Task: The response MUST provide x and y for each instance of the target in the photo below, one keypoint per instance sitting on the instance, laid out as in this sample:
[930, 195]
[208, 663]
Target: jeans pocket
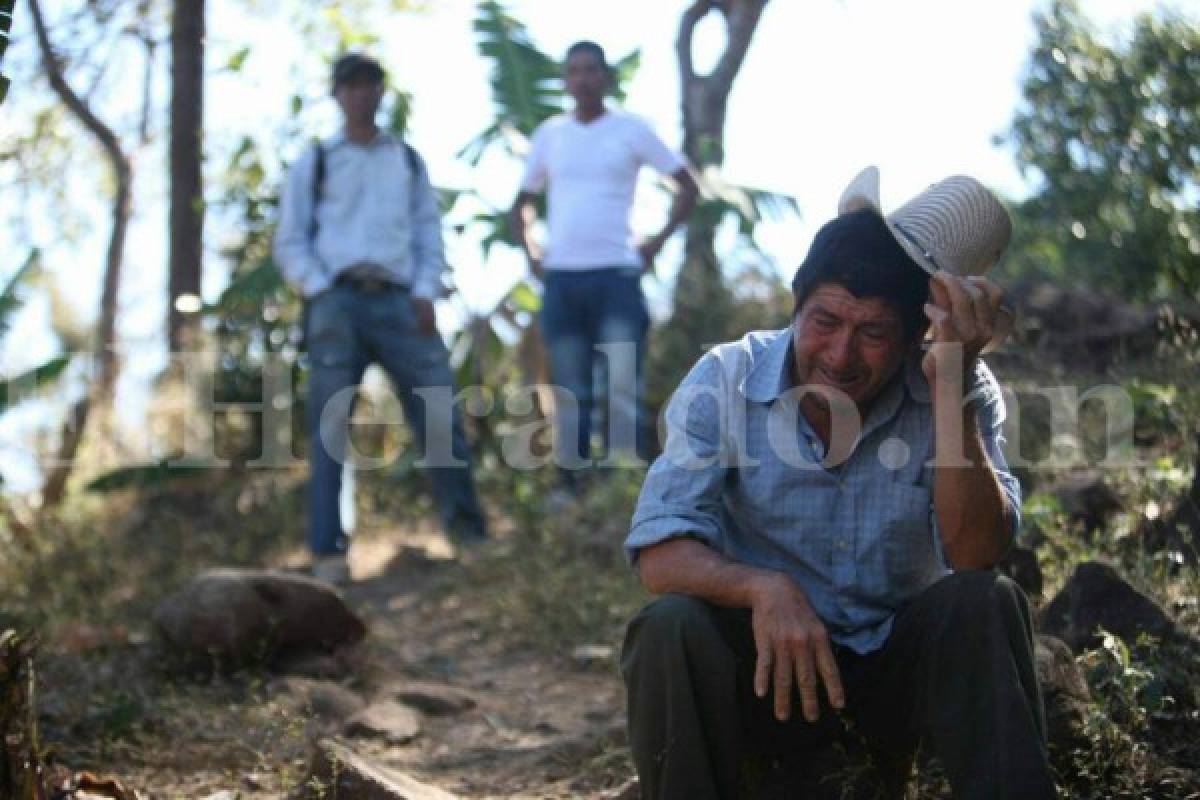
[330, 331]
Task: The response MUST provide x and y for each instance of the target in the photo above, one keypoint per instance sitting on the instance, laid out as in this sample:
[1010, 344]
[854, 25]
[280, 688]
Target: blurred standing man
[360, 237]
[588, 161]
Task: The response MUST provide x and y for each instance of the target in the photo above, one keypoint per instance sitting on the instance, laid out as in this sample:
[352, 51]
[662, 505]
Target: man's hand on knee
[792, 645]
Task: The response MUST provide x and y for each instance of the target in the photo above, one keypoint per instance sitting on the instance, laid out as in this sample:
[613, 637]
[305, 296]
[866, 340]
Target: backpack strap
[318, 186]
[414, 171]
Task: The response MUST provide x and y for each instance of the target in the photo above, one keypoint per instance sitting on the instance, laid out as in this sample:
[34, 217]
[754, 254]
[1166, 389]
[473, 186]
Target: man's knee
[979, 594]
[670, 623]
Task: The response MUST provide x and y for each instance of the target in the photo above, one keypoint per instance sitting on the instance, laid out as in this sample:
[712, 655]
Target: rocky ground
[492, 673]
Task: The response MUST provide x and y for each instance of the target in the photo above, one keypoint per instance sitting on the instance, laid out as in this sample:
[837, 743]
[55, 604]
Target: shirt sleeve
[294, 248]
[429, 257]
[988, 400]
[536, 173]
[652, 150]
[681, 496]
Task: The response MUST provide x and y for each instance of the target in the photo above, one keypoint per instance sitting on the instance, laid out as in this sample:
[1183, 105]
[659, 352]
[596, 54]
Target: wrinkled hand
[792, 645]
[649, 250]
[426, 317]
[965, 312]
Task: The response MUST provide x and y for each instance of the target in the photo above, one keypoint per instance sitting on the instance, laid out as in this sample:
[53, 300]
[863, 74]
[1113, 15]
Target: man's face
[851, 344]
[359, 99]
[586, 78]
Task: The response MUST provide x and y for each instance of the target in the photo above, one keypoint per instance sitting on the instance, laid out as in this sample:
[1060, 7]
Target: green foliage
[574, 552]
[144, 476]
[1110, 131]
[10, 296]
[526, 81]
[15, 388]
[6, 16]
[526, 85]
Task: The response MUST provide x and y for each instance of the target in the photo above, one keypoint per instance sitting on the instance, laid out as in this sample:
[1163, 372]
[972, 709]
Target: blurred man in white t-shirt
[587, 162]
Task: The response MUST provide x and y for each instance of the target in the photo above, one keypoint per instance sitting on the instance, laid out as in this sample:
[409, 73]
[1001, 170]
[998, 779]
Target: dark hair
[352, 66]
[588, 46]
[858, 252]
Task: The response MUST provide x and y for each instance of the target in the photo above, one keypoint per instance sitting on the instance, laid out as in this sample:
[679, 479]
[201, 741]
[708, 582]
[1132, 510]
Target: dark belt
[366, 283]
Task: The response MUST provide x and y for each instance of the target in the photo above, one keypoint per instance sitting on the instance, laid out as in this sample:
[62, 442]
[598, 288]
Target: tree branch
[683, 42]
[741, 19]
[100, 391]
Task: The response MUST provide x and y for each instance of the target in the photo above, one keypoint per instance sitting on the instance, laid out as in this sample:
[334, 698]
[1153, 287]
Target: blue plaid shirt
[741, 471]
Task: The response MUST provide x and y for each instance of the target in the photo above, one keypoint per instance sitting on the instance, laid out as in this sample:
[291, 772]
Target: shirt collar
[769, 374]
[381, 137]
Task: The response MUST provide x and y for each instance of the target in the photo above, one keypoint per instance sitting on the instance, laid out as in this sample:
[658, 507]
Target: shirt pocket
[910, 561]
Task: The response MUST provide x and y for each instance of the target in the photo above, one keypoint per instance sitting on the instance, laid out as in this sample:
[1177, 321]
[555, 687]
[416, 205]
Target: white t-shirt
[589, 172]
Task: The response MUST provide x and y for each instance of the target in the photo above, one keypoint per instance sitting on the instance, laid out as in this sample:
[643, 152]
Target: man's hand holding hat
[966, 313]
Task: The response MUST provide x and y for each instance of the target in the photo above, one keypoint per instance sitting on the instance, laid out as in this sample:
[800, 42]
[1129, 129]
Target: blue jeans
[587, 313]
[349, 328]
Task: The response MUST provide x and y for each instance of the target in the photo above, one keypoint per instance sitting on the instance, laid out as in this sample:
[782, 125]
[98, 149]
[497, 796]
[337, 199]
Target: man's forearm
[968, 502]
[686, 566]
[682, 202]
[520, 217]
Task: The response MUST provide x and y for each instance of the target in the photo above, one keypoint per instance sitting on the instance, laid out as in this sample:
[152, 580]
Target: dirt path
[541, 726]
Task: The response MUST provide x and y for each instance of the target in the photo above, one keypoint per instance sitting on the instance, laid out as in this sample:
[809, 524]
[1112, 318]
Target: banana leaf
[30, 381]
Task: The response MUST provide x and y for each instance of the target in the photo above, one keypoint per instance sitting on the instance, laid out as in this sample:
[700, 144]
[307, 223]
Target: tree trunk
[186, 225]
[99, 394]
[21, 775]
[703, 304]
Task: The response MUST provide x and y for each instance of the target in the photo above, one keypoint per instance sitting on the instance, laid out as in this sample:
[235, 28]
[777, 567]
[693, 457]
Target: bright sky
[919, 88]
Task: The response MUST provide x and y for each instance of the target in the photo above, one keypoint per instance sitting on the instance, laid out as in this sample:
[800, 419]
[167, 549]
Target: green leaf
[31, 381]
[526, 82]
[748, 205]
[524, 298]
[10, 299]
[237, 60]
[625, 68]
[250, 288]
[143, 476]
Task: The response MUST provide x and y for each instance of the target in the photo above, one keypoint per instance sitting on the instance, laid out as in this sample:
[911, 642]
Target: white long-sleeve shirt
[367, 215]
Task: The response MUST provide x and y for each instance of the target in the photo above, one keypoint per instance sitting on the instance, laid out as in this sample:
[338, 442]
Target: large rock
[234, 616]
[1065, 693]
[1095, 596]
[1081, 326]
[1087, 499]
[337, 771]
[323, 700]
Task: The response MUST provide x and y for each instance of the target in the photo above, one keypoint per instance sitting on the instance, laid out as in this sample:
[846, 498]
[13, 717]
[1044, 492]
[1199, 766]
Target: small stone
[587, 655]
[394, 723]
[434, 699]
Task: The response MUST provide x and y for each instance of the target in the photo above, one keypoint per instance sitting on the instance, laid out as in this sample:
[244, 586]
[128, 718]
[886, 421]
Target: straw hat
[956, 225]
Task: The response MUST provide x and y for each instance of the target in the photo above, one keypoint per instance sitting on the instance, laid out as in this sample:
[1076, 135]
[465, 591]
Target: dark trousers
[956, 676]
